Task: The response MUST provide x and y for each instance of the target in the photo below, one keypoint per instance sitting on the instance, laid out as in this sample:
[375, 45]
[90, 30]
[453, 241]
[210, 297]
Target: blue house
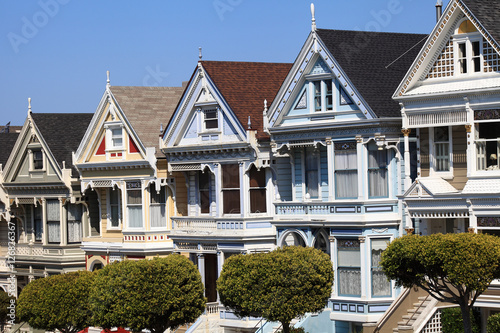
[337, 150]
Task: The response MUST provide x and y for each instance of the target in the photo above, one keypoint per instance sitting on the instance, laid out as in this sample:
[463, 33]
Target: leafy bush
[451, 320]
[295, 330]
[493, 325]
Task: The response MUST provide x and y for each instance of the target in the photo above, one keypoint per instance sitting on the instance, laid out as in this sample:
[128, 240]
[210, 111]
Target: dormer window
[468, 43]
[116, 138]
[211, 119]
[323, 100]
[37, 160]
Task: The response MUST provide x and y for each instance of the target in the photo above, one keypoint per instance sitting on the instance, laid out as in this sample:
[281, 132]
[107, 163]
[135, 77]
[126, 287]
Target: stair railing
[418, 308]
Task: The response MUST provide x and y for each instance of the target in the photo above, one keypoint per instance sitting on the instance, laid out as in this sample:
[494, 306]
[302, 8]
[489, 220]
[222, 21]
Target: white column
[406, 133]
[331, 169]
[365, 267]
[45, 233]
[220, 263]
[333, 254]
[218, 194]
[360, 151]
[63, 220]
[243, 206]
[470, 152]
[201, 267]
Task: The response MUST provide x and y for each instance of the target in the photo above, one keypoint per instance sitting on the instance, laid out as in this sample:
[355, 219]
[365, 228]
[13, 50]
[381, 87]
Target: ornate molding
[406, 131]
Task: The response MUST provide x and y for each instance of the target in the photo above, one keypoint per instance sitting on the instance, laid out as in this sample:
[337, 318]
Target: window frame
[69, 220]
[258, 188]
[467, 39]
[352, 268]
[385, 167]
[109, 206]
[207, 173]
[132, 186]
[111, 127]
[53, 222]
[445, 174]
[478, 140]
[163, 199]
[340, 147]
[387, 238]
[314, 154]
[37, 210]
[204, 112]
[225, 191]
[324, 95]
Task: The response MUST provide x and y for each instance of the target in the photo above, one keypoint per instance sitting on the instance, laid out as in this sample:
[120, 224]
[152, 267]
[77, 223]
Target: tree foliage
[453, 268]
[57, 302]
[493, 325]
[152, 294]
[5, 308]
[452, 321]
[279, 285]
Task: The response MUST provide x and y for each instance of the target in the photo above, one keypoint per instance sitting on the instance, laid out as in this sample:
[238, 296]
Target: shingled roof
[7, 141]
[62, 132]
[486, 11]
[375, 62]
[146, 108]
[245, 86]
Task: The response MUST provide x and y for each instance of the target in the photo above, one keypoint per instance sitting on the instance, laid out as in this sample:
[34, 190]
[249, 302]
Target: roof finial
[265, 105]
[107, 81]
[29, 104]
[161, 128]
[200, 56]
[249, 123]
[313, 26]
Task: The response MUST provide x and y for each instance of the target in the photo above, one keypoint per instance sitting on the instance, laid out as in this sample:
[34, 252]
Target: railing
[29, 250]
[437, 118]
[212, 308]
[302, 209]
[37, 249]
[204, 224]
[487, 152]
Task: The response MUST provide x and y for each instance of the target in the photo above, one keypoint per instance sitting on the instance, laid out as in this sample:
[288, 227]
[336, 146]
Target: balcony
[206, 224]
[47, 252]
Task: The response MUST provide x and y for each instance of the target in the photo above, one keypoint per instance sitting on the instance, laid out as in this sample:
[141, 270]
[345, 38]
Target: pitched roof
[245, 86]
[375, 62]
[62, 132]
[146, 108]
[7, 141]
[486, 11]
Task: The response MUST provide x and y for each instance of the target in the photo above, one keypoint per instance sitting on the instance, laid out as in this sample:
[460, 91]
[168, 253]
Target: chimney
[439, 10]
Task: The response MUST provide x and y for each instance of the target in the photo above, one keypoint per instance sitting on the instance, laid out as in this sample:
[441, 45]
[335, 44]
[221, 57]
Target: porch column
[243, 176]
[220, 263]
[45, 231]
[63, 220]
[333, 252]
[470, 152]
[201, 267]
[360, 152]
[218, 194]
[406, 133]
[364, 267]
[331, 169]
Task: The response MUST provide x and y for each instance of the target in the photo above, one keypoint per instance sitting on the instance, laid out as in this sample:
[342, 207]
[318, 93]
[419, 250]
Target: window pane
[53, 210]
[317, 95]
[377, 173]
[211, 119]
[204, 191]
[134, 197]
[312, 173]
[349, 253]
[38, 223]
[54, 231]
[135, 216]
[349, 263]
[258, 201]
[74, 231]
[158, 216]
[37, 160]
[113, 197]
[205, 201]
[231, 201]
[257, 177]
[116, 137]
[380, 285]
[230, 176]
[329, 100]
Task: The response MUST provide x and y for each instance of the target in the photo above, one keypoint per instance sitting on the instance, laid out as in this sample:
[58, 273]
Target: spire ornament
[313, 21]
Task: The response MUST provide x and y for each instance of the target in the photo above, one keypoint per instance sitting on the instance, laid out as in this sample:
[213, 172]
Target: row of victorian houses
[367, 136]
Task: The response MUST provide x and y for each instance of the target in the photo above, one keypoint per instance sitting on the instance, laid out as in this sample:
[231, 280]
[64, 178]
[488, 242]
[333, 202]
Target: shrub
[493, 325]
[451, 320]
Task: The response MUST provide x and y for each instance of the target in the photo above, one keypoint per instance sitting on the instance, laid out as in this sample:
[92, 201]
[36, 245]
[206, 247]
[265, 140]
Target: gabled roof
[375, 62]
[146, 108]
[7, 141]
[245, 86]
[486, 11]
[62, 132]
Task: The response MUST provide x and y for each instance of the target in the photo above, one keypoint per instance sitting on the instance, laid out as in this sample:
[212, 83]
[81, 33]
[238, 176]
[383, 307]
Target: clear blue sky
[58, 51]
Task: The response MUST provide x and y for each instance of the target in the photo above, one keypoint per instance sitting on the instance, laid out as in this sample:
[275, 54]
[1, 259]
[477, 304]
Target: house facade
[124, 175]
[337, 150]
[220, 156]
[41, 201]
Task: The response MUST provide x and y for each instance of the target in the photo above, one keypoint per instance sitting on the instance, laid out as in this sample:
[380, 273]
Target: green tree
[452, 321]
[5, 306]
[152, 294]
[454, 268]
[493, 325]
[57, 302]
[279, 285]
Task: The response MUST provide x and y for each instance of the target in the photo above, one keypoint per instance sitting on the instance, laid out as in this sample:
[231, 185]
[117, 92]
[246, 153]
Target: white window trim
[166, 218]
[31, 155]
[198, 194]
[317, 152]
[143, 205]
[368, 240]
[110, 126]
[322, 78]
[108, 208]
[467, 39]
[201, 112]
[432, 159]
[247, 179]
[475, 138]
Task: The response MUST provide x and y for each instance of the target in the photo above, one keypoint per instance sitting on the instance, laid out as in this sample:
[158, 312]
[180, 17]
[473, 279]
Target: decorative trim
[345, 145]
[486, 114]
[488, 221]
[406, 131]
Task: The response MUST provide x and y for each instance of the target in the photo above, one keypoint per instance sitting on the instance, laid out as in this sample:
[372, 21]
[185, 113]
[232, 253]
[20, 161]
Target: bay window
[312, 173]
[158, 207]
[346, 170]
[349, 267]
[38, 223]
[114, 208]
[75, 232]
[53, 220]
[231, 188]
[487, 145]
[381, 286]
[377, 173]
[134, 205]
[204, 191]
[258, 202]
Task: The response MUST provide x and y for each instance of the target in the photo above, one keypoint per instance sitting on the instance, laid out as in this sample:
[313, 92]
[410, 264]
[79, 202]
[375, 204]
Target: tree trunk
[466, 318]
[286, 327]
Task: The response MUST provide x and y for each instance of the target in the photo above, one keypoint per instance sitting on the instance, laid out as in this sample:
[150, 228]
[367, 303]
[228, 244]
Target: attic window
[211, 119]
[323, 95]
[37, 160]
[116, 138]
